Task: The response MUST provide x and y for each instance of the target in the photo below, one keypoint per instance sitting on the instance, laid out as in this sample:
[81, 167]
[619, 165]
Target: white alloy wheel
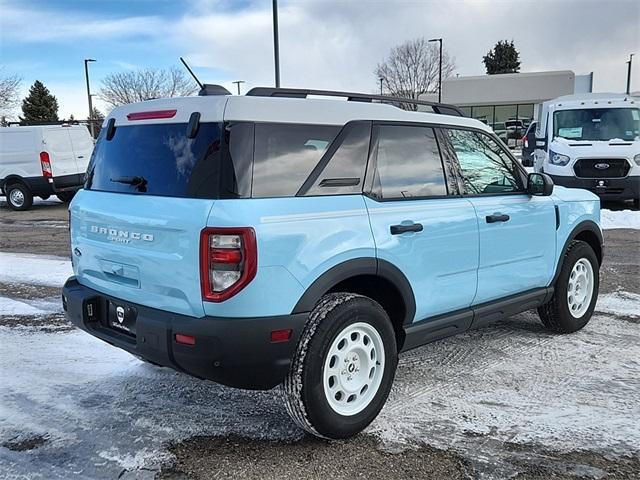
[580, 288]
[17, 197]
[353, 369]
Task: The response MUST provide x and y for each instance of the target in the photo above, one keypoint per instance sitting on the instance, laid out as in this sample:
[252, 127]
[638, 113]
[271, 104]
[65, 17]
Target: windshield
[597, 124]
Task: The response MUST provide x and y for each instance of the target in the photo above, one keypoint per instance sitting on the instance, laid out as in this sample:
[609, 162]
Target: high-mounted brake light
[228, 261]
[45, 164]
[151, 115]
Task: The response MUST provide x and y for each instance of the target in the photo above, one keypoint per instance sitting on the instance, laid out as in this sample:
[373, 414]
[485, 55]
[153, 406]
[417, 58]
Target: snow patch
[625, 304]
[9, 306]
[619, 219]
[34, 269]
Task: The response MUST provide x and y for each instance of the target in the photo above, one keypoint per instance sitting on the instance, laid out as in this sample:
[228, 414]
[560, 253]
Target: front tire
[19, 197]
[343, 368]
[576, 291]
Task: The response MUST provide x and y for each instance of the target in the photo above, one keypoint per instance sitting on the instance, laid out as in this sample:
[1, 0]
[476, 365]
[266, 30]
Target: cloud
[22, 24]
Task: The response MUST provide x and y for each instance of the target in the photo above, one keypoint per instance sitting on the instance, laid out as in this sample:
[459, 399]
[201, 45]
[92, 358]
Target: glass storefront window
[484, 114]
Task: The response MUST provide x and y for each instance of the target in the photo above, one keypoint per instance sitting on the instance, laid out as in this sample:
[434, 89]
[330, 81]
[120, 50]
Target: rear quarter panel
[298, 239]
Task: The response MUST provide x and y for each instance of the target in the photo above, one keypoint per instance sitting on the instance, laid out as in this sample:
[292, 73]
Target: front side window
[407, 163]
[597, 124]
[485, 166]
[285, 155]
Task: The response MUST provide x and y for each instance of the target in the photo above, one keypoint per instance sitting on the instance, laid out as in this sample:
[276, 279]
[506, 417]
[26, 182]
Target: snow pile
[626, 304]
[620, 219]
[34, 269]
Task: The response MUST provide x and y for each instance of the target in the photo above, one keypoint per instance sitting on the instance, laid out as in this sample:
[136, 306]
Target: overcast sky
[323, 44]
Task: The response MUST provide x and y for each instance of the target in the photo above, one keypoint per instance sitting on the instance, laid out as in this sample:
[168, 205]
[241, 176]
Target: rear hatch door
[136, 226]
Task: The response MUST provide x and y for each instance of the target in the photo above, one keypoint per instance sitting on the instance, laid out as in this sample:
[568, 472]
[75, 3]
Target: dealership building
[495, 99]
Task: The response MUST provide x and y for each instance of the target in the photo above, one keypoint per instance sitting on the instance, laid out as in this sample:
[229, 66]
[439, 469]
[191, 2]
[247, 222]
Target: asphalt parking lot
[508, 401]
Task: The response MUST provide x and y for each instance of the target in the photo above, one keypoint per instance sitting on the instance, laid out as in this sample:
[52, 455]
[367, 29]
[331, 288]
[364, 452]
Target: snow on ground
[10, 306]
[620, 219]
[625, 304]
[34, 269]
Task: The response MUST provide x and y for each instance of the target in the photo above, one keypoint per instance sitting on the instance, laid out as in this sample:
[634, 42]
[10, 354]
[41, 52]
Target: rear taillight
[525, 142]
[228, 261]
[45, 163]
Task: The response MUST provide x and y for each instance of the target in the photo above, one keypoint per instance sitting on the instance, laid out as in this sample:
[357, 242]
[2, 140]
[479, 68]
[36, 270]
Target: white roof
[592, 99]
[216, 108]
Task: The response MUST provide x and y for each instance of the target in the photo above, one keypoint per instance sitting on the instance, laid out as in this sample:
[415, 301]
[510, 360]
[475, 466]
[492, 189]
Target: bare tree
[411, 69]
[145, 84]
[9, 86]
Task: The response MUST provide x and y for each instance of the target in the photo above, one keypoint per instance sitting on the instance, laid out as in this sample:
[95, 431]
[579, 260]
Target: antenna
[191, 72]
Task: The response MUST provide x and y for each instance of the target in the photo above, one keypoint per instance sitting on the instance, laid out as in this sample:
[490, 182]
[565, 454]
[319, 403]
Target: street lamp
[276, 45]
[238, 82]
[629, 73]
[381, 79]
[439, 68]
[86, 76]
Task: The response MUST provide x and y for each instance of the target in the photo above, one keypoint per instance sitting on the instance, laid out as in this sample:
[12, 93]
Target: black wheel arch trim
[584, 226]
[352, 268]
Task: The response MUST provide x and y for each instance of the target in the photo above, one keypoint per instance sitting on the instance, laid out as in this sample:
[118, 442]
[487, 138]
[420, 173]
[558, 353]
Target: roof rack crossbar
[442, 108]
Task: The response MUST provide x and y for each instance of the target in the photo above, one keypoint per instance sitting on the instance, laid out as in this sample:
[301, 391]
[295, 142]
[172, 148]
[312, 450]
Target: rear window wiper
[139, 182]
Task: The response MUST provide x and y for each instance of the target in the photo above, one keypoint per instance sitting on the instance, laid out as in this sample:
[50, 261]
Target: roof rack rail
[441, 108]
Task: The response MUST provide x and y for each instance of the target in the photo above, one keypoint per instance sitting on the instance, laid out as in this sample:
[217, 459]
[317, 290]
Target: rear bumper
[237, 352]
[627, 188]
[40, 186]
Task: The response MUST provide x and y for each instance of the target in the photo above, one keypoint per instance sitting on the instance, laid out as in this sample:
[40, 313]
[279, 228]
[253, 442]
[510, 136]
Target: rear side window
[285, 155]
[407, 163]
[159, 160]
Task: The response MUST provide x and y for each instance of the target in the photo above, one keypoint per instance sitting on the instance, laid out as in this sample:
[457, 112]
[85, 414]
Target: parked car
[40, 161]
[275, 239]
[500, 130]
[529, 144]
[592, 141]
[515, 128]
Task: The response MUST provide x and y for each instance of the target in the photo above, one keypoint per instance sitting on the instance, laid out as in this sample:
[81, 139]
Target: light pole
[381, 79]
[238, 82]
[439, 68]
[276, 45]
[86, 76]
[629, 73]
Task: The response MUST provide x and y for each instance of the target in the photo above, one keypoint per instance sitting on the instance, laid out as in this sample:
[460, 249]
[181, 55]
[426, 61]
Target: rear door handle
[497, 218]
[80, 156]
[398, 229]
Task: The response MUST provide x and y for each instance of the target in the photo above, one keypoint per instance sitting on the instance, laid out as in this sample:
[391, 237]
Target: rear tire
[576, 291]
[65, 197]
[343, 368]
[19, 197]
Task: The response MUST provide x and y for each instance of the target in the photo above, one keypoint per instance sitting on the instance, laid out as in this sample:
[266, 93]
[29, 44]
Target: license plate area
[600, 184]
[121, 317]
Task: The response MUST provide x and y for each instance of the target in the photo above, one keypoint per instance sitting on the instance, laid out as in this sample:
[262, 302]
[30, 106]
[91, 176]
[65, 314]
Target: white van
[39, 161]
[591, 141]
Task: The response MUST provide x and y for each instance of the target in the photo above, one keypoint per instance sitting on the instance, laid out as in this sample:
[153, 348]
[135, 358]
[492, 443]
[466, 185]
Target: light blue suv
[276, 238]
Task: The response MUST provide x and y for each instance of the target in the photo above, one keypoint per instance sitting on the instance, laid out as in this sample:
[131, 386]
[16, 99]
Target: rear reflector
[185, 339]
[45, 164]
[278, 336]
[151, 115]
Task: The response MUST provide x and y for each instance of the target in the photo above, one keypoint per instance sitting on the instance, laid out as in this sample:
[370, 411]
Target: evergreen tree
[39, 105]
[503, 58]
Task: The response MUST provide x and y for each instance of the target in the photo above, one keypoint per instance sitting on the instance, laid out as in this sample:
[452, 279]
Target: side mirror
[541, 143]
[539, 184]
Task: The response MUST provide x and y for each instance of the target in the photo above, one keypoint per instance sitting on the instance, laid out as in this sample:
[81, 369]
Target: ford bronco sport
[275, 238]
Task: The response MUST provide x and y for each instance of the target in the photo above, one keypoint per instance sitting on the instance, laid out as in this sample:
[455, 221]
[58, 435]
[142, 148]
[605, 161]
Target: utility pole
[238, 82]
[439, 40]
[86, 76]
[276, 45]
[381, 79]
[629, 73]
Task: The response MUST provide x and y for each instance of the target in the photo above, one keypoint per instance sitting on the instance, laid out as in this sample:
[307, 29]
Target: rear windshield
[157, 159]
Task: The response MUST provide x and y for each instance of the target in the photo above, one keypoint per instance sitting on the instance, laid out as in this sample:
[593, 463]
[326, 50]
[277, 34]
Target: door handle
[398, 229]
[80, 156]
[497, 218]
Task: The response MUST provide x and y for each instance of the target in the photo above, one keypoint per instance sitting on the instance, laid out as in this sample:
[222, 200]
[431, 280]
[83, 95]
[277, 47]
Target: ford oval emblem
[601, 166]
